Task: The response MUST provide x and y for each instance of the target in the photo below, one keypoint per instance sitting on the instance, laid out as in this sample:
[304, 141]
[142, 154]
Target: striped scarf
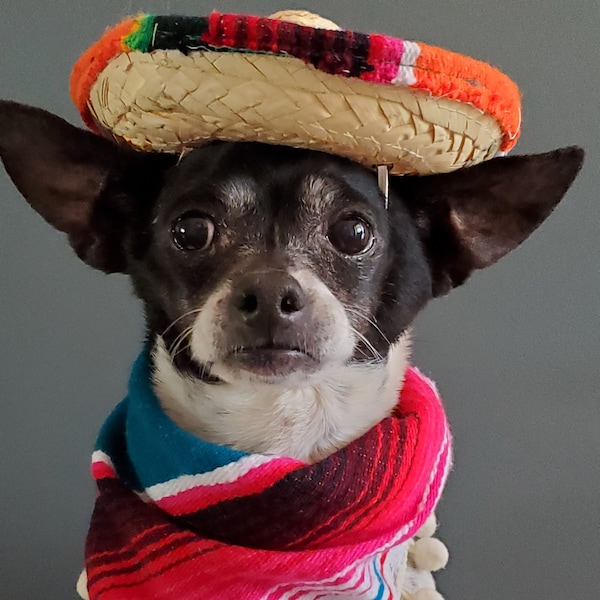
[180, 518]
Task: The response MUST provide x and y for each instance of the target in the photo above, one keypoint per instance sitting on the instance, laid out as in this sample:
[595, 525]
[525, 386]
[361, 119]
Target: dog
[279, 284]
[278, 289]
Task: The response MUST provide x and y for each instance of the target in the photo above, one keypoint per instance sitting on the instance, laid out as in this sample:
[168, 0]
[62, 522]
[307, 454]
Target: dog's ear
[82, 184]
[470, 218]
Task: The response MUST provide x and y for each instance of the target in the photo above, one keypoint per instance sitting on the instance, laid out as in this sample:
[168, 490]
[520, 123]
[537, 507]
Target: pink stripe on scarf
[253, 482]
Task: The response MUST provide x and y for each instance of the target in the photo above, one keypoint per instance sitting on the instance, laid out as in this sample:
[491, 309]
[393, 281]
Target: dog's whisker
[376, 355]
[204, 370]
[371, 322]
[183, 316]
[184, 344]
[363, 353]
[378, 329]
[177, 346]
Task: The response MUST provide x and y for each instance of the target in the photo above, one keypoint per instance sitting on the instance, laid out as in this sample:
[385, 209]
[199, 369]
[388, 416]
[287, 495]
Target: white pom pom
[428, 528]
[82, 586]
[426, 594]
[429, 554]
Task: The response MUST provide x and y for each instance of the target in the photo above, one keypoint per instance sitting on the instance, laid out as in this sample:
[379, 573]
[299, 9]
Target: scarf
[179, 518]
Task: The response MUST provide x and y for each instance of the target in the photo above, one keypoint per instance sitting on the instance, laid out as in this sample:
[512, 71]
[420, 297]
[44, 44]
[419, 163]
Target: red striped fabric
[333, 528]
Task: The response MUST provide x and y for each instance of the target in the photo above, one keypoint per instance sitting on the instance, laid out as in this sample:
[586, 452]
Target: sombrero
[169, 83]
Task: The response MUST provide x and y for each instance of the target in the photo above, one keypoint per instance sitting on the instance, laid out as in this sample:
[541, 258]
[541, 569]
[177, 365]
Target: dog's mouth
[271, 360]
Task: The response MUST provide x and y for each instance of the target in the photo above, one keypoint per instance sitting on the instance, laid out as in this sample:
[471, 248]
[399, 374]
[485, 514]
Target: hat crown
[306, 18]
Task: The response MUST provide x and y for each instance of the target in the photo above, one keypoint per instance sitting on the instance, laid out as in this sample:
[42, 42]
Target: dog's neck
[306, 422]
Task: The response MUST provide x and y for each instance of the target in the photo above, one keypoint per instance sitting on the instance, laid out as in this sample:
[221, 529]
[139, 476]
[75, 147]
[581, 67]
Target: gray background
[515, 352]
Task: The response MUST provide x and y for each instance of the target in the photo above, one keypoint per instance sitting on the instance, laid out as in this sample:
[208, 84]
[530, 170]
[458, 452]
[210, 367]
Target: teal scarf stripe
[146, 447]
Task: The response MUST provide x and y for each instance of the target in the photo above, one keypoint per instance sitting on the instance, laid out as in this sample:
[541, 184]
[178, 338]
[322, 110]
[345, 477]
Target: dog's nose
[265, 299]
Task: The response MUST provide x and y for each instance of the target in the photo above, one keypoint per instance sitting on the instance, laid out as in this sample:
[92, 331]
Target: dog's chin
[266, 364]
[272, 362]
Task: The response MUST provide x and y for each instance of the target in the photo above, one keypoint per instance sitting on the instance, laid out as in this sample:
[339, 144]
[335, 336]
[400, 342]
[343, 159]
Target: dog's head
[272, 263]
[267, 262]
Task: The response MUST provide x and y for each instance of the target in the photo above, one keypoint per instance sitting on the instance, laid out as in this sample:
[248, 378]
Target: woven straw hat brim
[170, 83]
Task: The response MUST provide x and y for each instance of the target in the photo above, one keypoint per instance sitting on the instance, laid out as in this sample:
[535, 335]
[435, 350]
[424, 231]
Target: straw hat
[166, 83]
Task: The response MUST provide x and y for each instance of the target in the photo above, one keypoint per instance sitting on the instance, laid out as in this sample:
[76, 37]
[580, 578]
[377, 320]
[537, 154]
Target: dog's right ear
[470, 218]
[82, 184]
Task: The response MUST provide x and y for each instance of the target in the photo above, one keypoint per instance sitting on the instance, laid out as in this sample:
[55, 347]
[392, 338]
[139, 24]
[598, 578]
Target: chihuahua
[278, 287]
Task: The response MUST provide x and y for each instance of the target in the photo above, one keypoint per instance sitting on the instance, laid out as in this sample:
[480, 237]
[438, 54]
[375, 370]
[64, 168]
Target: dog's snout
[262, 299]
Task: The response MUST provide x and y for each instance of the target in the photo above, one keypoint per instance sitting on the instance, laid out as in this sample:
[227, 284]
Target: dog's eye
[193, 231]
[351, 235]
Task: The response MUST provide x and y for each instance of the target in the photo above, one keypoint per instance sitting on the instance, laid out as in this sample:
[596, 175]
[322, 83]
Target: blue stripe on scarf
[379, 576]
[139, 433]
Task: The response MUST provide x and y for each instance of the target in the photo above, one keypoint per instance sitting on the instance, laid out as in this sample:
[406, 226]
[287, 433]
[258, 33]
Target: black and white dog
[278, 290]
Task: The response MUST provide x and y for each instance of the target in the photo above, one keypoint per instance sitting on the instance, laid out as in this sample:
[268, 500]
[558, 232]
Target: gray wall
[515, 352]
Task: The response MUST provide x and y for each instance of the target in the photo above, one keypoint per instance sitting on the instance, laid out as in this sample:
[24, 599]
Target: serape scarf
[180, 518]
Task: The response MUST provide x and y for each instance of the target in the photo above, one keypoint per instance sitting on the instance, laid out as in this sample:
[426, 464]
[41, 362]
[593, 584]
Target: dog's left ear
[82, 184]
[472, 217]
